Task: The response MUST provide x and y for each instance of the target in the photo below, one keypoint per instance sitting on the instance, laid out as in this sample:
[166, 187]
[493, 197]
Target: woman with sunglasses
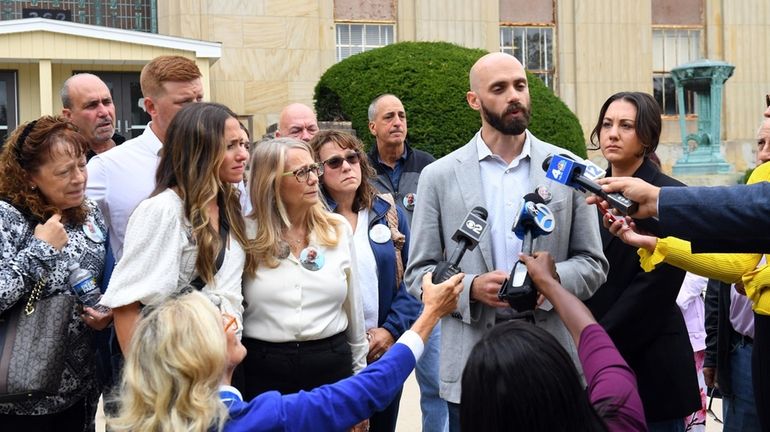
[389, 310]
[303, 321]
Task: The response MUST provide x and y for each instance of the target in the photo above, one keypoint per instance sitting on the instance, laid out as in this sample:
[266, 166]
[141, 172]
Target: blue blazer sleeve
[717, 219]
[405, 308]
[333, 407]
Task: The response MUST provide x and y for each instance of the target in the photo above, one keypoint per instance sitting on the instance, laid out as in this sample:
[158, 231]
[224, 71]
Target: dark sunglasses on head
[335, 162]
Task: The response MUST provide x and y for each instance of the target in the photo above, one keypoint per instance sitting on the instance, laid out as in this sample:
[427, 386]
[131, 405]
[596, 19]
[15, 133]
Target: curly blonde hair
[28, 148]
[173, 369]
[267, 166]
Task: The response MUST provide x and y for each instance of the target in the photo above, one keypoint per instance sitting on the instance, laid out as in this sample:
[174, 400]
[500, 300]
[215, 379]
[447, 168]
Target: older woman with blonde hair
[303, 320]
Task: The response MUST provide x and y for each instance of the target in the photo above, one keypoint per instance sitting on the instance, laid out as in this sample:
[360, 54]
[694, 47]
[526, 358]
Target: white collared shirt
[503, 186]
[291, 303]
[119, 179]
[160, 260]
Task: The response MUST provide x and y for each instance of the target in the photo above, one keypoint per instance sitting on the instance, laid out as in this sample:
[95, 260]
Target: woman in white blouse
[175, 238]
[303, 322]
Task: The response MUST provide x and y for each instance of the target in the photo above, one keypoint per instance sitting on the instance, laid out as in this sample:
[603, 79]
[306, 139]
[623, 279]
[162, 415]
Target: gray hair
[373, 106]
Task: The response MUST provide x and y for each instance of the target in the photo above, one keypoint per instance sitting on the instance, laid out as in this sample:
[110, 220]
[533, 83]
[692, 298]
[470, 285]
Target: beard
[515, 126]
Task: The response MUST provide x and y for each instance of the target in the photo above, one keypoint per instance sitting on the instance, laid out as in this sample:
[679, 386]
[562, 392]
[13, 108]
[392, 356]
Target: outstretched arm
[573, 312]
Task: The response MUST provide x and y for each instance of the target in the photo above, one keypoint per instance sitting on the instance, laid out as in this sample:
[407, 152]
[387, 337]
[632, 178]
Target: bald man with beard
[494, 170]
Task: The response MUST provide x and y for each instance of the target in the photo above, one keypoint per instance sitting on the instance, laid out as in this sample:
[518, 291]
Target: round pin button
[92, 231]
[409, 201]
[379, 233]
[311, 258]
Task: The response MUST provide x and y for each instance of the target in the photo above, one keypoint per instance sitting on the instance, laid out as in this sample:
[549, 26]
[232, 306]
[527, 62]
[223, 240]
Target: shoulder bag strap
[224, 231]
[399, 239]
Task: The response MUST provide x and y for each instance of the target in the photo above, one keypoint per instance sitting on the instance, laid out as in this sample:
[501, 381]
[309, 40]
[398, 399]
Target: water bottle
[83, 285]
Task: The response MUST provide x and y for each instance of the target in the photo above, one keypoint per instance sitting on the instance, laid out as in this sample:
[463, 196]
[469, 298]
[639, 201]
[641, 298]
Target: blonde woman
[175, 238]
[181, 358]
[303, 321]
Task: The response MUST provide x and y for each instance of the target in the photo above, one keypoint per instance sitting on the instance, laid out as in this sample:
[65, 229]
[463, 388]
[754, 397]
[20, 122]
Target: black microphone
[567, 171]
[533, 219]
[467, 237]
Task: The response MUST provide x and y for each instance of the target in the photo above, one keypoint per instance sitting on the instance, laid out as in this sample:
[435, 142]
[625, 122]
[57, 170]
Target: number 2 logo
[473, 226]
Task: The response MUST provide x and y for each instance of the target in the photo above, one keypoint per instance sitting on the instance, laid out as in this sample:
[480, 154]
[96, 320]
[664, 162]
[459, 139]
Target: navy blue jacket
[416, 160]
[397, 308]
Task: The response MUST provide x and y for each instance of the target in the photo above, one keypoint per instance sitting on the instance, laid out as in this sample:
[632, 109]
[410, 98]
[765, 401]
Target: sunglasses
[335, 162]
[302, 174]
[230, 322]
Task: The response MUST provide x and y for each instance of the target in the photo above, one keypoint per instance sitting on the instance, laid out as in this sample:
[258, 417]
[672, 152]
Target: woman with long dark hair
[190, 232]
[637, 308]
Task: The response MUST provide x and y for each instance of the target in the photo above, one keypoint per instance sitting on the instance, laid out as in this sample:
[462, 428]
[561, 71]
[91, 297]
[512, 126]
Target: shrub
[431, 79]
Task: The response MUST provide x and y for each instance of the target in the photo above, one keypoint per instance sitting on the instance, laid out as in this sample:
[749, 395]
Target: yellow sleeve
[676, 252]
[755, 282]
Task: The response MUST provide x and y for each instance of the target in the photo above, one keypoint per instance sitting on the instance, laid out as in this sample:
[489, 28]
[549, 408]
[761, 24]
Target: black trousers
[293, 366]
[72, 419]
[760, 369]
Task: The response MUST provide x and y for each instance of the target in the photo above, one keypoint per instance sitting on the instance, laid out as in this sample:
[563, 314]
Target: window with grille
[672, 47]
[139, 15]
[533, 46]
[354, 38]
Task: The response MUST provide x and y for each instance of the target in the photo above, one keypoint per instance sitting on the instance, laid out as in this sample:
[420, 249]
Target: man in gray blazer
[495, 170]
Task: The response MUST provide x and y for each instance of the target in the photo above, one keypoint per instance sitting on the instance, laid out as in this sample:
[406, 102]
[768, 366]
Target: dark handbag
[32, 346]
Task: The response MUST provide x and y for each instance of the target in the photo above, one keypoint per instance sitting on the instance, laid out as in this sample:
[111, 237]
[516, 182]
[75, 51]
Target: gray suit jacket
[449, 188]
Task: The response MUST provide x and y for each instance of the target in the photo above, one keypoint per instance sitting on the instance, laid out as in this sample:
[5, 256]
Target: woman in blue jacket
[380, 244]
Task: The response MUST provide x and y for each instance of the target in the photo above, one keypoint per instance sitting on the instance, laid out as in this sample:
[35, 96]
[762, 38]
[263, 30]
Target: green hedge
[431, 79]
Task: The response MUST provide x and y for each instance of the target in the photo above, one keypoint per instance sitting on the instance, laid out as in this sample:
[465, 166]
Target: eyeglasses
[335, 162]
[302, 174]
[230, 322]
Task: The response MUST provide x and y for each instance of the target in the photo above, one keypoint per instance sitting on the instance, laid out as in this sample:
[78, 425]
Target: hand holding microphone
[564, 170]
[533, 219]
[467, 238]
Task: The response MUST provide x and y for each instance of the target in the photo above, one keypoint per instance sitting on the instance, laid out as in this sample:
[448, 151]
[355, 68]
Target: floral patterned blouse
[25, 260]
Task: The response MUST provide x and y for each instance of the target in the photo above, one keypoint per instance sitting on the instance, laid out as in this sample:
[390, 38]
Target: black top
[640, 314]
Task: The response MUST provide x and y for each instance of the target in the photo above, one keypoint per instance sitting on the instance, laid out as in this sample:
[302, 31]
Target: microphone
[467, 237]
[533, 219]
[563, 169]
